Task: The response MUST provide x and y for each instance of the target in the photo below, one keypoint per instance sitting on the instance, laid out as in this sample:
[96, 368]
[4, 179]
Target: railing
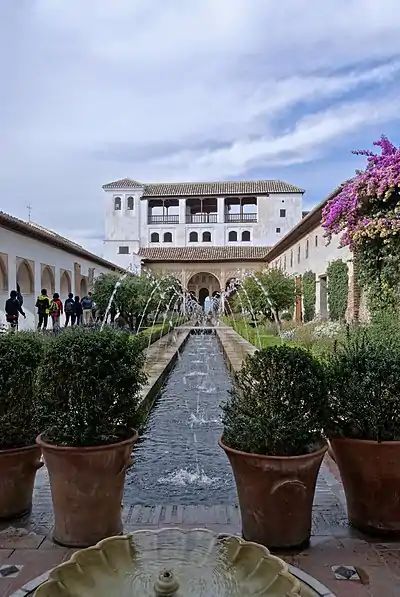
[240, 218]
[201, 219]
[163, 219]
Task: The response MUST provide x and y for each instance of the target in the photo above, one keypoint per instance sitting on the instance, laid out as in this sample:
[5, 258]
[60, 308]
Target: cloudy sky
[164, 90]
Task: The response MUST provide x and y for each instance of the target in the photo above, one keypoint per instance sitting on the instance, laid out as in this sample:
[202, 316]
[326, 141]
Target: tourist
[43, 309]
[77, 318]
[69, 309]
[87, 307]
[20, 298]
[56, 310]
[13, 309]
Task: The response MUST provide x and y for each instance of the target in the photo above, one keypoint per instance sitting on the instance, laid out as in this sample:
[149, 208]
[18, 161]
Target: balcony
[240, 218]
[163, 219]
[202, 218]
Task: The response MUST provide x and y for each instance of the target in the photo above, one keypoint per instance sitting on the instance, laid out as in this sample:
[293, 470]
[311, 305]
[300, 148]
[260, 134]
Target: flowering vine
[366, 214]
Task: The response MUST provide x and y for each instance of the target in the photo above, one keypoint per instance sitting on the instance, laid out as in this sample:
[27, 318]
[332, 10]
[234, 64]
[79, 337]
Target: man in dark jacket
[69, 310]
[43, 309]
[13, 309]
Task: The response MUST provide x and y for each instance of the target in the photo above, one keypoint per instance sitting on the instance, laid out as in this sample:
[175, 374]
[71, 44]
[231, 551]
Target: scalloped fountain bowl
[174, 563]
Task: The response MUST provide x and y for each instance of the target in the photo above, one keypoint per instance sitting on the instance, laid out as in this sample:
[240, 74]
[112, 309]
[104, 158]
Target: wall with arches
[34, 265]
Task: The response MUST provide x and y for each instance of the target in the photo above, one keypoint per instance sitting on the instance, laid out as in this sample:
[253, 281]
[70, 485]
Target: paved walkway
[26, 549]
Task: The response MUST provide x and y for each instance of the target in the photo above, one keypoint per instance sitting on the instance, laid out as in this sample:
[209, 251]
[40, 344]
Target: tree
[136, 296]
[365, 212]
[309, 290]
[268, 292]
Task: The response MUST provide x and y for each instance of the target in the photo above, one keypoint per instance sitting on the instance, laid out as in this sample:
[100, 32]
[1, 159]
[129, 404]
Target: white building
[34, 258]
[196, 214]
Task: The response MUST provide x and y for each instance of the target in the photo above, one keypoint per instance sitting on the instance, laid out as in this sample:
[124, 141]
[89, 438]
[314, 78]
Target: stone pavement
[26, 549]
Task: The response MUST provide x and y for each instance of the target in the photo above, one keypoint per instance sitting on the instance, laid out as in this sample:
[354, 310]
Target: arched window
[130, 203]
[155, 237]
[232, 236]
[193, 237]
[117, 203]
[246, 235]
[206, 237]
[168, 237]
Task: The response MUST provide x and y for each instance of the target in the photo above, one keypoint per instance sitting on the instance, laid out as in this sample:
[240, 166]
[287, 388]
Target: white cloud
[277, 81]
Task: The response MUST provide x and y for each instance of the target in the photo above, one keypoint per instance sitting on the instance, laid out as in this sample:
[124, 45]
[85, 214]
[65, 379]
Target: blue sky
[187, 90]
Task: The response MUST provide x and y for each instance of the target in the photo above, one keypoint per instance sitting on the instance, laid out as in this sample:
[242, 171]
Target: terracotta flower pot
[87, 485]
[276, 494]
[17, 477]
[370, 473]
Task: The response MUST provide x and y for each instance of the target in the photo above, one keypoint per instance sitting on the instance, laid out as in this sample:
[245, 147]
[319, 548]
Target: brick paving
[28, 545]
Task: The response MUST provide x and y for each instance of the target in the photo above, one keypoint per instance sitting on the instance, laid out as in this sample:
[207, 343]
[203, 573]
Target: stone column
[354, 294]
[57, 280]
[182, 212]
[221, 210]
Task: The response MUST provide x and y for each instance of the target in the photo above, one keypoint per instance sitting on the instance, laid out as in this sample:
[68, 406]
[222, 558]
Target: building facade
[185, 215]
[34, 258]
[305, 248]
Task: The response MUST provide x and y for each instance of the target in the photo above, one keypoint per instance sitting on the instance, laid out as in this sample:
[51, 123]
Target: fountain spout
[166, 585]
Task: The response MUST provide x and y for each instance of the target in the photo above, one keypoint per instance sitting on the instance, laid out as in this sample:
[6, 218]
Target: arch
[168, 237]
[193, 237]
[246, 236]
[25, 278]
[47, 280]
[206, 237]
[155, 237]
[232, 236]
[83, 287]
[130, 203]
[65, 284]
[117, 203]
[203, 294]
[200, 282]
[3, 275]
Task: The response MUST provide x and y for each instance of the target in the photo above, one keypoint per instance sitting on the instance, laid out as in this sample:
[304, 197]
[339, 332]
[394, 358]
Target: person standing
[56, 310]
[87, 307]
[77, 318]
[13, 308]
[69, 309]
[43, 309]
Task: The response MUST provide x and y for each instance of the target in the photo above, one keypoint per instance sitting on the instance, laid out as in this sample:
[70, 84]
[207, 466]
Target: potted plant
[364, 426]
[20, 354]
[89, 383]
[273, 438]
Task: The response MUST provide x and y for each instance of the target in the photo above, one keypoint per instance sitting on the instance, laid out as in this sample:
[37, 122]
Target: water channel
[178, 460]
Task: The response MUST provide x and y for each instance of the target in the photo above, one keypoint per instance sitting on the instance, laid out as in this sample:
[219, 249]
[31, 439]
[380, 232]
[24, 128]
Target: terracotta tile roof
[123, 183]
[52, 238]
[203, 253]
[186, 189]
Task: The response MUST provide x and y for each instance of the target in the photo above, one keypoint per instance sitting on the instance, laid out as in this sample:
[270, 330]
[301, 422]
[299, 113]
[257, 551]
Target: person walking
[43, 309]
[87, 308]
[56, 310]
[77, 318]
[69, 310]
[13, 308]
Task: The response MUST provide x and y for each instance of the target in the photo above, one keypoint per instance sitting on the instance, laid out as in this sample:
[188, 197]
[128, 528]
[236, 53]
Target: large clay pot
[370, 473]
[275, 496]
[87, 485]
[17, 477]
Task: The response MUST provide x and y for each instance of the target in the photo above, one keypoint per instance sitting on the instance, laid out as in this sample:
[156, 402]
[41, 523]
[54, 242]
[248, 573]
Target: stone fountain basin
[176, 563]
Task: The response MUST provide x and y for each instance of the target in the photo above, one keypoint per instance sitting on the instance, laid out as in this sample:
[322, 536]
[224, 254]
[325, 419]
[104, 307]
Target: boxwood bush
[20, 354]
[278, 404]
[88, 386]
[364, 385]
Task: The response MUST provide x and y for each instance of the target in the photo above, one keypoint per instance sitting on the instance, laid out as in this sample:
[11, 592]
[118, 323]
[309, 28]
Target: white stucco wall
[129, 228]
[18, 247]
[296, 260]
